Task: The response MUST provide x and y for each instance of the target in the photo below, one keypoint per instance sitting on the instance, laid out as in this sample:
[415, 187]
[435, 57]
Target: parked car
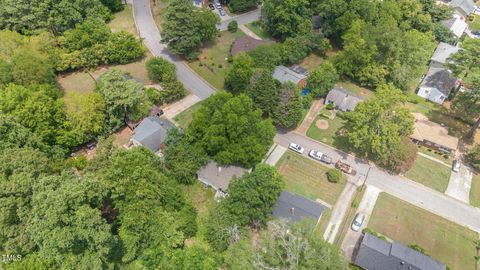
[211, 6]
[358, 221]
[222, 12]
[297, 148]
[456, 165]
[320, 156]
[218, 5]
[344, 167]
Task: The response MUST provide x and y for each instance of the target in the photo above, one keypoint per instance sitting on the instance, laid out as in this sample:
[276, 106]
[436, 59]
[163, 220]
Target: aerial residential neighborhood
[240, 134]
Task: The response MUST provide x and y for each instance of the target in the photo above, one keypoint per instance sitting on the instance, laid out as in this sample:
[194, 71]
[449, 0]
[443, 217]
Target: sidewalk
[275, 156]
[249, 32]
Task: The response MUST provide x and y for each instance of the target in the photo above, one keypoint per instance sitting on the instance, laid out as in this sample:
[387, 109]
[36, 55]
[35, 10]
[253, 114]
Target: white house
[456, 25]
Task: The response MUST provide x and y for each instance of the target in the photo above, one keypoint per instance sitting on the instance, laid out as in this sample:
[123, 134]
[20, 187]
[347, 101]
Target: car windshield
[356, 223]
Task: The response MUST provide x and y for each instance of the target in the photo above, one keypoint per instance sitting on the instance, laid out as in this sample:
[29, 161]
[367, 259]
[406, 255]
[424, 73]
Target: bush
[233, 26]
[417, 248]
[80, 162]
[307, 101]
[329, 106]
[160, 70]
[334, 175]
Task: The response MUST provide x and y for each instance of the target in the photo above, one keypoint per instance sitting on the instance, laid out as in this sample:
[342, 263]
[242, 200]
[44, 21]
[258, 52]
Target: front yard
[324, 129]
[475, 191]
[430, 173]
[124, 21]
[212, 64]
[474, 24]
[184, 118]
[257, 28]
[308, 178]
[445, 241]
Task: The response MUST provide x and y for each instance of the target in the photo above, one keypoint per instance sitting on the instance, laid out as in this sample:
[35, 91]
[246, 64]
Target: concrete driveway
[460, 184]
[366, 207]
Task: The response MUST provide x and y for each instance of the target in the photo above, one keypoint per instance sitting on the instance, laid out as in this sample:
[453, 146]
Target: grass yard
[328, 136]
[200, 197]
[354, 88]
[474, 25]
[257, 28]
[352, 211]
[308, 178]
[475, 191]
[212, 64]
[158, 10]
[429, 173]
[322, 225]
[77, 82]
[434, 154]
[184, 118]
[445, 241]
[312, 61]
[124, 21]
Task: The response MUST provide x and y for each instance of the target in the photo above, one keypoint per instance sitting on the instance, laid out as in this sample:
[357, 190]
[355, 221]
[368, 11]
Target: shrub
[160, 70]
[334, 175]
[80, 162]
[307, 101]
[329, 106]
[417, 248]
[233, 26]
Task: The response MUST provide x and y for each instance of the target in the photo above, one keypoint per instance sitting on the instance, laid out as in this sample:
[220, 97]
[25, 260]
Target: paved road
[400, 187]
[151, 37]
[242, 19]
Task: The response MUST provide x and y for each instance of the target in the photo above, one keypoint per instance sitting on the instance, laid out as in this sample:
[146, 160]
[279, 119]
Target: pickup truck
[344, 167]
[320, 156]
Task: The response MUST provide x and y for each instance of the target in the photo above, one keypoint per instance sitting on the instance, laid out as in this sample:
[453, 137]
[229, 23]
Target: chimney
[292, 211]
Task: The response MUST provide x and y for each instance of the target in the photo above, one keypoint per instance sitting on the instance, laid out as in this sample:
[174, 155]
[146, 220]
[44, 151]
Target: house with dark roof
[245, 44]
[151, 133]
[295, 207]
[377, 254]
[342, 99]
[219, 177]
[457, 25]
[441, 54]
[284, 74]
[437, 85]
[463, 7]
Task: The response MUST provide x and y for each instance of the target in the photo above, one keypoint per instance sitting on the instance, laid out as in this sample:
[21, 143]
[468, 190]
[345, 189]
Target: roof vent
[402, 263]
[292, 211]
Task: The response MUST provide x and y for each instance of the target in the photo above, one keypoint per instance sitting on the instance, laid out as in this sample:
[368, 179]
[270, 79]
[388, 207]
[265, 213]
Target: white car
[456, 165]
[320, 156]
[357, 222]
[297, 148]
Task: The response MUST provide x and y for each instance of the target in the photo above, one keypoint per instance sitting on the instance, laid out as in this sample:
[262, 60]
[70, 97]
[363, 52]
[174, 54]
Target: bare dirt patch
[322, 124]
[122, 137]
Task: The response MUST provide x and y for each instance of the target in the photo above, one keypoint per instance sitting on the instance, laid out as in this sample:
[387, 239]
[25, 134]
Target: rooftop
[467, 6]
[152, 132]
[443, 51]
[425, 129]
[295, 207]
[245, 44]
[284, 74]
[377, 254]
[343, 99]
[219, 177]
[456, 25]
[440, 79]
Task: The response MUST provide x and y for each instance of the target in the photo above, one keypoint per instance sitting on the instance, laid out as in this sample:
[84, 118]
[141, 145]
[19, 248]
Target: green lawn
[475, 191]
[308, 178]
[436, 155]
[257, 28]
[474, 25]
[328, 136]
[212, 64]
[354, 88]
[124, 21]
[184, 118]
[430, 173]
[445, 241]
[322, 225]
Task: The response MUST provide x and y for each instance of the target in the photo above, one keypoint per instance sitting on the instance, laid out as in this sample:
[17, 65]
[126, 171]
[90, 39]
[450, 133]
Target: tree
[123, 97]
[238, 77]
[263, 90]
[86, 34]
[287, 18]
[473, 157]
[31, 67]
[195, 258]
[185, 28]
[5, 73]
[288, 245]
[322, 79]
[468, 102]
[29, 17]
[252, 196]
[113, 5]
[233, 26]
[266, 56]
[466, 60]
[240, 255]
[376, 127]
[288, 111]
[160, 70]
[242, 5]
[221, 230]
[334, 175]
[230, 130]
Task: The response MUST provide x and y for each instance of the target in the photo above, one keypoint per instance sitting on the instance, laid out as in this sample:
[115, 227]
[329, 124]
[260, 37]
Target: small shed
[295, 207]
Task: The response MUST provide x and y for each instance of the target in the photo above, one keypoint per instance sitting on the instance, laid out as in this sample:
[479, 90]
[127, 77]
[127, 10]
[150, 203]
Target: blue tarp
[305, 91]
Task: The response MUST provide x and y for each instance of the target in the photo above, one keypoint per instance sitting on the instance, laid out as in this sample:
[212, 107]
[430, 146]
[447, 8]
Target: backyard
[430, 173]
[212, 64]
[324, 129]
[308, 178]
[475, 191]
[445, 241]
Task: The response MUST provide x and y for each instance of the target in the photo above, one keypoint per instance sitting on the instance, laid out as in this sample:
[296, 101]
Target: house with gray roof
[295, 207]
[342, 99]
[284, 74]
[377, 254]
[437, 85]
[463, 7]
[441, 54]
[457, 25]
[151, 133]
[219, 177]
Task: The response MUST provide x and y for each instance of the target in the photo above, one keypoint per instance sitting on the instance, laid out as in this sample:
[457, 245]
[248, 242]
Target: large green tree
[287, 18]
[263, 89]
[186, 28]
[288, 111]
[465, 64]
[322, 79]
[230, 130]
[376, 127]
[242, 5]
[238, 77]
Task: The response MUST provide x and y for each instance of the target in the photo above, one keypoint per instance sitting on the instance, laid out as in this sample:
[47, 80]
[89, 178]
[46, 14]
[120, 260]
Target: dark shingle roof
[295, 207]
[219, 177]
[245, 44]
[440, 79]
[152, 132]
[343, 99]
[377, 254]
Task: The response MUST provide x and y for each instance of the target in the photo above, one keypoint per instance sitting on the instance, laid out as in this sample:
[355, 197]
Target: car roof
[359, 216]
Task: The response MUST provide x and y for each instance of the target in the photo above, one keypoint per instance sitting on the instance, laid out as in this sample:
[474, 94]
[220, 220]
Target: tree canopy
[288, 111]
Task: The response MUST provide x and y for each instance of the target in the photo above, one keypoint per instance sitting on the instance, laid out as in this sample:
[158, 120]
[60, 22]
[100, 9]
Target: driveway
[173, 109]
[241, 19]
[276, 154]
[148, 31]
[366, 207]
[317, 105]
[460, 184]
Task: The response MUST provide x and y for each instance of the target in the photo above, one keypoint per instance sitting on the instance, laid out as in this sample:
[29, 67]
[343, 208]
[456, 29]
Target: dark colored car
[211, 6]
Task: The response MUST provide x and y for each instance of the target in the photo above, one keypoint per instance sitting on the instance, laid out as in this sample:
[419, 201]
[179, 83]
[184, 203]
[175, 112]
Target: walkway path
[242, 19]
[275, 156]
[433, 159]
[366, 207]
[249, 32]
[316, 107]
[460, 184]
